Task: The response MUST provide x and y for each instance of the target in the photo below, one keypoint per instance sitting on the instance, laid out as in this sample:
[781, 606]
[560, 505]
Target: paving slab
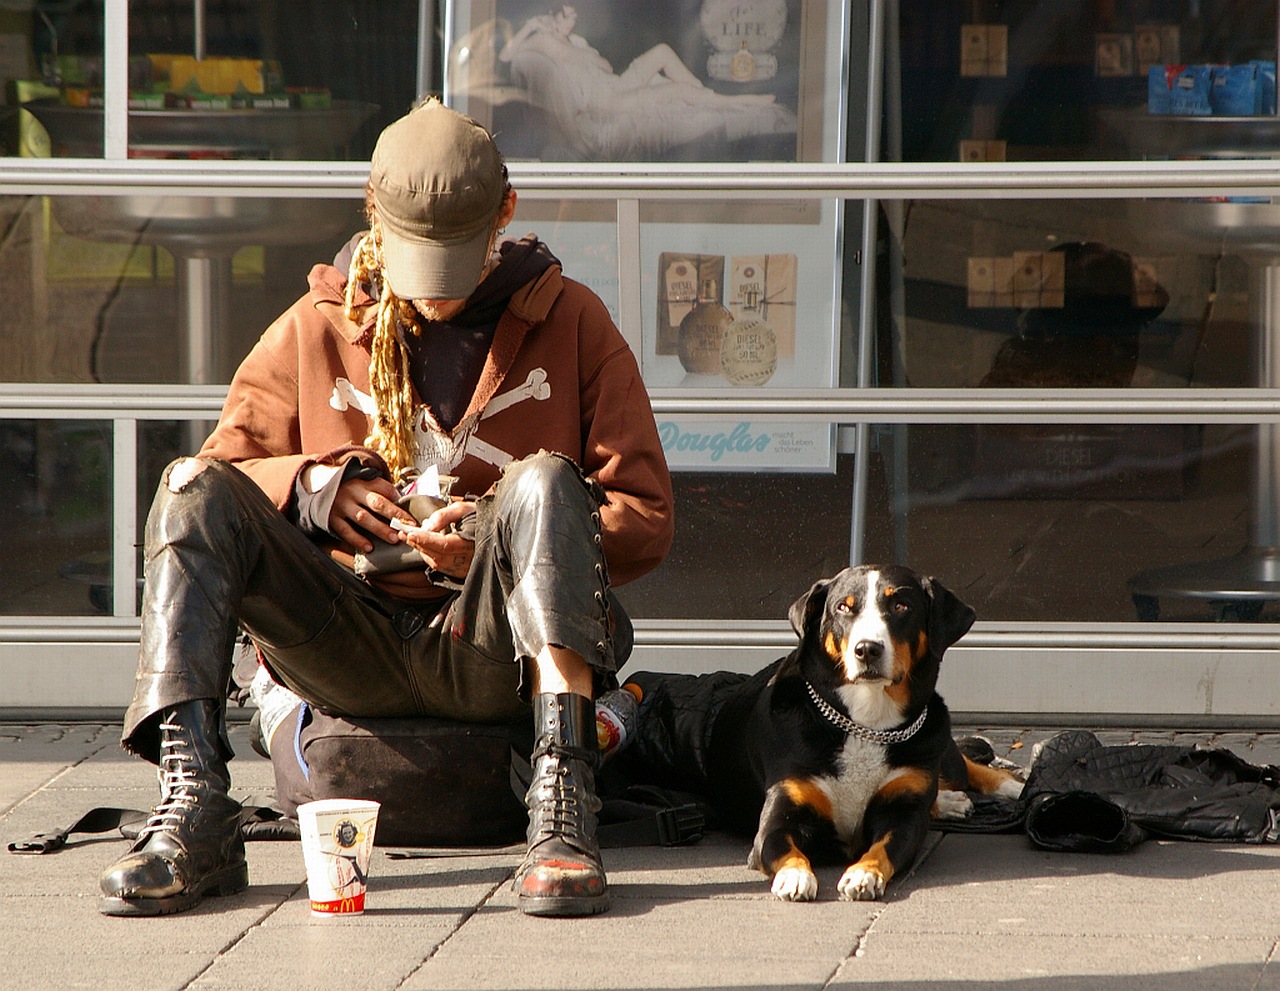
[32, 756]
[982, 884]
[1053, 963]
[977, 911]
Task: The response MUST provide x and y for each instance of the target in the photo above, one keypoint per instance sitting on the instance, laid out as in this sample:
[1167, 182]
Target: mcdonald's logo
[347, 905]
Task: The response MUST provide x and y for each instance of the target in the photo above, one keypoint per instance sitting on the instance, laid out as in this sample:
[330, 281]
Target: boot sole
[563, 907]
[228, 881]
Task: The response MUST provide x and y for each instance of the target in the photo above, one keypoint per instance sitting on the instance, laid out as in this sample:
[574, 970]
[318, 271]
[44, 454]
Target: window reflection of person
[552, 33]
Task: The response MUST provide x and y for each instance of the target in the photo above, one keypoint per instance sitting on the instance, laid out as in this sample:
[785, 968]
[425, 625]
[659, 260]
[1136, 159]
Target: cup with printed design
[337, 843]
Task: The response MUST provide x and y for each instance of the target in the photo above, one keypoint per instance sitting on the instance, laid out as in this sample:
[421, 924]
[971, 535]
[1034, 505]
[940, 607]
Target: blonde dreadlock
[389, 382]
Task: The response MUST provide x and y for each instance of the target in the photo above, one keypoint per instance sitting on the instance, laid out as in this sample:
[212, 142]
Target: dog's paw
[858, 884]
[952, 805]
[795, 884]
[1012, 788]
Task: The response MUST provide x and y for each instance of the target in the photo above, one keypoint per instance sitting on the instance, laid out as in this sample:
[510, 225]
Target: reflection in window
[296, 80]
[1074, 522]
[1075, 294]
[155, 289]
[747, 545]
[56, 515]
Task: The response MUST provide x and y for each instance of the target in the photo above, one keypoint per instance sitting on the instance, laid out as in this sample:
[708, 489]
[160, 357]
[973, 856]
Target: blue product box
[1234, 90]
[1179, 89]
[1266, 87]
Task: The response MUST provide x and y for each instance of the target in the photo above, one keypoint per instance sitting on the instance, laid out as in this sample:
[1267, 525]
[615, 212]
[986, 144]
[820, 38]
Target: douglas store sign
[732, 444]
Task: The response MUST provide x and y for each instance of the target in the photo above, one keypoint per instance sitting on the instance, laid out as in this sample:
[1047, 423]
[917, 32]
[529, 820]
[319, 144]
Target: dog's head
[875, 635]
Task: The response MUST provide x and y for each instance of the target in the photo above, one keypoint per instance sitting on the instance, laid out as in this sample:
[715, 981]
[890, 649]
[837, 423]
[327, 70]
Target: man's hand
[450, 553]
[361, 508]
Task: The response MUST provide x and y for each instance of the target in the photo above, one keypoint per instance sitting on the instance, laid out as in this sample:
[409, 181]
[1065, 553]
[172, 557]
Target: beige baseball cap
[438, 182]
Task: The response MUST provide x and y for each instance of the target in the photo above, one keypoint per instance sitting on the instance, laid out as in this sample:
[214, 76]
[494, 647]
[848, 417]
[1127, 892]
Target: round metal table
[203, 232]
[1236, 587]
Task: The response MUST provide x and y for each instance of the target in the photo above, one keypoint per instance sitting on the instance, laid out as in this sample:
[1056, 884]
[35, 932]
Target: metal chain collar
[841, 721]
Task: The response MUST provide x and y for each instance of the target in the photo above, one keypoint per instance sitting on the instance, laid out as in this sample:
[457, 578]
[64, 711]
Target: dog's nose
[868, 651]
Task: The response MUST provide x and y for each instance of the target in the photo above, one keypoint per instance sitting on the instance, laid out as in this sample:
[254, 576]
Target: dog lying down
[838, 752]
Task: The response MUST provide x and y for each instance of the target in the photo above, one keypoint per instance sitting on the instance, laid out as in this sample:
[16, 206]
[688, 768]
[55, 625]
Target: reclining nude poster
[646, 80]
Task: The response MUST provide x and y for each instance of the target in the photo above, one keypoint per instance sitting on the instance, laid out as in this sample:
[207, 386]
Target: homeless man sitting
[409, 364]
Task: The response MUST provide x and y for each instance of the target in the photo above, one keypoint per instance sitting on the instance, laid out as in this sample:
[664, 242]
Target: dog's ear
[808, 605]
[949, 618]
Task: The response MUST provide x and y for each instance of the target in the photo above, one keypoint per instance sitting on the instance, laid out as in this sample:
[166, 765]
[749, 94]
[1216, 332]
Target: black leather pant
[220, 557]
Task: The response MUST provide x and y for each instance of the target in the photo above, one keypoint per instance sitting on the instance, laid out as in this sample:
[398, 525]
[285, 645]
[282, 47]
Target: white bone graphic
[487, 452]
[434, 447]
[346, 395]
[535, 387]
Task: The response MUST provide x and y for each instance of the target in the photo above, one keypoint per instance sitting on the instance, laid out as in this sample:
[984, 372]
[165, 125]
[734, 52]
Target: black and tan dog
[840, 750]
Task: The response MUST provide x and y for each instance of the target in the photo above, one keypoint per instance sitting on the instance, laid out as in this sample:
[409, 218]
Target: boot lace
[178, 794]
[559, 803]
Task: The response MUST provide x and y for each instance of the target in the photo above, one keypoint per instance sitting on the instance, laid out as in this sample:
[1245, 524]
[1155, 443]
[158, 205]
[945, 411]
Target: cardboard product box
[981, 282]
[1179, 90]
[1156, 44]
[973, 50]
[1113, 55]
[1039, 279]
[768, 282]
[260, 101]
[997, 50]
[984, 50]
[680, 276]
[1147, 48]
[1003, 270]
[974, 150]
[1245, 90]
[1053, 280]
[217, 76]
[1027, 266]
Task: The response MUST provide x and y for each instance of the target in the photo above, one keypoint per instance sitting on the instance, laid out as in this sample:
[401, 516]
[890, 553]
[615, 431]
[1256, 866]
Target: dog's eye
[844, 605]
[900, 608]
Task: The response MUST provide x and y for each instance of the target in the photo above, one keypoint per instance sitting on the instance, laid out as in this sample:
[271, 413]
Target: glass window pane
[583, 235]
[747, 545]
[740, 295]
[159, 442]
[155, 289]
[296, 80]
[1088, 523]
[1044, 80]
[1077, 293]
[55, 509]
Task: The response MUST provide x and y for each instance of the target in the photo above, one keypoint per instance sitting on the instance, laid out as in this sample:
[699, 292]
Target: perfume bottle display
[742, 66]
[702, 332]
[749, 348]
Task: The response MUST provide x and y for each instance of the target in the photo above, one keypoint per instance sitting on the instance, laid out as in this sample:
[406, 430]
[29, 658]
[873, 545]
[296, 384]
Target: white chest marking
[861, 773]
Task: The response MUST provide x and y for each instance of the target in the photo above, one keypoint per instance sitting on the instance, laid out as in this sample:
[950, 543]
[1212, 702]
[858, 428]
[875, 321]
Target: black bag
[441, 783]
[452, 784]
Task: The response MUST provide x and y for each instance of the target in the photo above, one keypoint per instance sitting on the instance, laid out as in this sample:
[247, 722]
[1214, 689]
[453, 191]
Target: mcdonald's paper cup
[337, 841]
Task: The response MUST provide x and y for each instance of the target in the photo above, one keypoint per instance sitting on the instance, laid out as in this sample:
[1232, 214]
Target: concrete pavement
[977, 911]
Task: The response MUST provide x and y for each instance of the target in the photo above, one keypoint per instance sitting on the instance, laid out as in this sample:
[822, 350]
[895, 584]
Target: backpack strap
[99, 820]
[258, 821]
[638, 815]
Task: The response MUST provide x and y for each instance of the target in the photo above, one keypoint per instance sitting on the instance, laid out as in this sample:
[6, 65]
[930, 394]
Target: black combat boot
[191, 845]
[561, 873]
